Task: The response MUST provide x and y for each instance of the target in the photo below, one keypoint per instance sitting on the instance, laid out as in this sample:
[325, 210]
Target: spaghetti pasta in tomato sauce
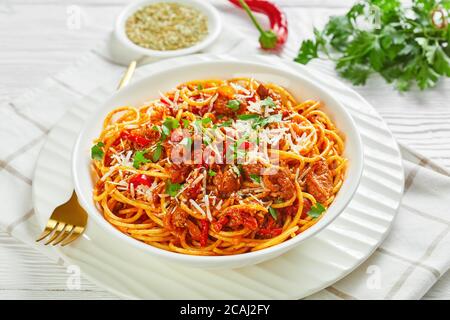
[217, 167]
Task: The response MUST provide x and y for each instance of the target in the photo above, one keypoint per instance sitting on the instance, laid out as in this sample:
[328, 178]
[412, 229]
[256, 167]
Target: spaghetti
[217, 167]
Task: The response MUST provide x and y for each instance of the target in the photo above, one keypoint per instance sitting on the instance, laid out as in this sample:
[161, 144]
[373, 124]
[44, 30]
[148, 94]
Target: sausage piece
[252, 169]
[179, 173]
[319, 182]
[262, 91]
[279, 182]
[220, 106]
[175, 220]
[226, 183]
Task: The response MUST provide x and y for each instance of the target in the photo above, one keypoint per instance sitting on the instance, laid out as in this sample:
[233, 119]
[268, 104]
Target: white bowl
[214, 28]
[136, 93]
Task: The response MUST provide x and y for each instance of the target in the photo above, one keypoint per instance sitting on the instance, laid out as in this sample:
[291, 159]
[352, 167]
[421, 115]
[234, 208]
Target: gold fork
[68, 221]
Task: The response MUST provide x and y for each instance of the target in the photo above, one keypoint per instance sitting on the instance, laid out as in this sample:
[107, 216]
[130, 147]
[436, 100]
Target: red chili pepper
[141, 179]
[278, 33]
[139, 140]
[205, 230]
[250, 222]
[220, 223]
[270, 232]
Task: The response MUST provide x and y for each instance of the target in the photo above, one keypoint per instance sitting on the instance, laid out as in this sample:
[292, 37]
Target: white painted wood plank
[27, 274]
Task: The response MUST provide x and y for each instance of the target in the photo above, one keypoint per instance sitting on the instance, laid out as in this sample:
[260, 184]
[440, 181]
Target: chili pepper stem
[251, 15]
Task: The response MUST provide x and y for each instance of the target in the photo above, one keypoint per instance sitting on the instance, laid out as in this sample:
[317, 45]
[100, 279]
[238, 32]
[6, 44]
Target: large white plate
[313, 265]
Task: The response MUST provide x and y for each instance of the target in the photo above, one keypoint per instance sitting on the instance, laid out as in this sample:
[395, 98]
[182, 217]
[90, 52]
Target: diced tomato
[139, 140]
[192, 193]
[219, 224]
[193, 230]
[203, 110]
[141, 179]
[164, 101]
[270, 232]
[250, 222]
[107, 160]
[291, 210]
[252, 99]
[205, 230]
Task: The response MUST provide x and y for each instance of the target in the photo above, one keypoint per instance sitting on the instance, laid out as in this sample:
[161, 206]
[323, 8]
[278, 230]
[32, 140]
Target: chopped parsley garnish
[165, 132]
[97, 151]
[259, 121]
[316, 210]
[211, 173]
[186, 123]
[268, 102]
[207, 139]
[199, 86]
[273, 213]
[201, 122]
[270, 119]
[206, 120]
[248, 116]
[227, 123]
[168, 125]
[139, 159]
[171, 123]
[255, 178]
[234, 105]
[157, 153]
[173, 188]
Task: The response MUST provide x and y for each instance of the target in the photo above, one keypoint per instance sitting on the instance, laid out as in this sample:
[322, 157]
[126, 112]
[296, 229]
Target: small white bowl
[140, 91]
[134, 51]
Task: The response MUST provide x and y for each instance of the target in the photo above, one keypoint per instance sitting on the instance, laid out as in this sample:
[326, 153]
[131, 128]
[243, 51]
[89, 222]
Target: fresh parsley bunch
[404, 45]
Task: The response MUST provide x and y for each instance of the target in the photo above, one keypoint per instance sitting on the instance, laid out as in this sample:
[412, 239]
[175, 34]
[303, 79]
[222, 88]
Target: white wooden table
[38, 38]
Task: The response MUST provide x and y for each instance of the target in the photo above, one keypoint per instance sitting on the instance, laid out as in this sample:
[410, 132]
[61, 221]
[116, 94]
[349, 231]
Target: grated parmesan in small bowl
[163, 29]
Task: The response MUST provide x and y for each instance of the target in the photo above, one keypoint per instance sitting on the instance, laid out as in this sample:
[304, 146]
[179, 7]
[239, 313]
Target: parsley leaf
[255, 178]
[227, 123]
[308, 51]
[248, 116]
[97, 151]
[233, 105]
[211, 173]
[171, 123]
[273, 213]
[186, 123]
[268, 102]
[139, 159]
[173, 188]
[316, 210]
[262, 122]
[157, 153]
